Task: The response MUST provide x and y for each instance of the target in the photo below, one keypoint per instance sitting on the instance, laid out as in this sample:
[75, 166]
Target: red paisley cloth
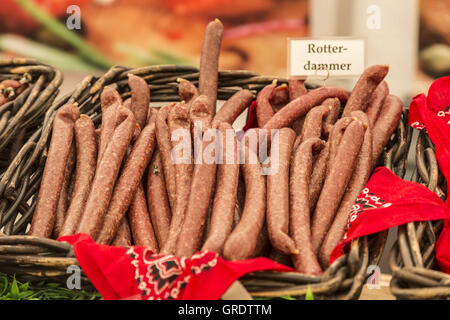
[432, 113]
[386, 202]
[136, 273]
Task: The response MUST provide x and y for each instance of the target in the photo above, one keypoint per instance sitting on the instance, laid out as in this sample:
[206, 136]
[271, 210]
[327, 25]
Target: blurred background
[412, 36]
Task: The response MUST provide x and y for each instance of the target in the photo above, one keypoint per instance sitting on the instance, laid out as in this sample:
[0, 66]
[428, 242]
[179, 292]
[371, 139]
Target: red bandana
[136, 273]
[432, 112]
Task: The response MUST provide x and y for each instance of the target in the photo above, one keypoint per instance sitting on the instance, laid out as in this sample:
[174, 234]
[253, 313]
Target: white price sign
[335, 57]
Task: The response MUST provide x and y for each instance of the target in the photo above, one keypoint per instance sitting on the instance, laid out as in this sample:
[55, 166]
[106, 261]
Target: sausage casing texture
[199, 112]
[140, 222]
[338, 176]
[357, 182]
[61, 208]
[109, 97]
[296, 89]
[242, 241]
[312, 127]
[165, 146]
[123, 235]
[187, 90]
[182, 157]
[280, 97]
[157, 198]
[234, 106]
[140, 98]
[278, 194]
[224, 205]
[84, 173]
[209, 62]
[106, 175]
[318, 175]
[107, 127]
[264, 111]
[365, 86]
[129, 179]
[305, 260]
[385, 125]
[300, 106]
[53, 175]
[203, 180]
[376, 102]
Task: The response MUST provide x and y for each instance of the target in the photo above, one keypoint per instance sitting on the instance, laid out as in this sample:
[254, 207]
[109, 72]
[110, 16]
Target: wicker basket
[412, 258]
[33, 258]
[20, 119]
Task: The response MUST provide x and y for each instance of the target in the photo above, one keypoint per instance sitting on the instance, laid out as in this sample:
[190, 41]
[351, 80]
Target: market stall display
[107, 134]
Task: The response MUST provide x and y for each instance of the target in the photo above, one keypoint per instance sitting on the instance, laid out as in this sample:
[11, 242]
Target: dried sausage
[305, 260]
[106, 175]
[234, 106]
[278, 193]
[140, 223]
[385, 125]
[360, 97]
[53, 176]
[241, 243]
[224, 205]
[164, 145]
[264, 111]
[129, 179]
[209, 62]
[61, 208]
[157, 199]
[357, 182]
[376, 102]
[187, 90]
[182, 157]
[140, 98]
[203, 180]
[338, 176]
[84, 173]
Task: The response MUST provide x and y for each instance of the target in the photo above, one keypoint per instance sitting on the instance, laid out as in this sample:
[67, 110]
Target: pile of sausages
[122, 185]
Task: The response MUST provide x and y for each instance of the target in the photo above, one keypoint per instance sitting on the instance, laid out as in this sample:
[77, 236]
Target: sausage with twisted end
[140, 98]
[365, 86]
[338, 176]
[106, 175]
[187, 90]
[305, 261]
[280, 97]
[84, 173]
[278, 193]
[264, 111]
[234, 106]
[53, 176]
[296, 89]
